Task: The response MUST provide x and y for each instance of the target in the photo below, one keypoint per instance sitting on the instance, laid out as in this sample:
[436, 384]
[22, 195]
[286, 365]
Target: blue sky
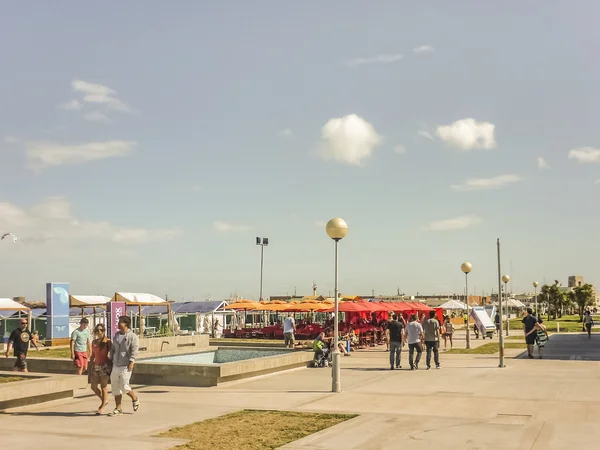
[145, 145]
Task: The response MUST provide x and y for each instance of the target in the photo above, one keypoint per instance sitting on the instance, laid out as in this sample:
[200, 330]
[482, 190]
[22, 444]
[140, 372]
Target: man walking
[80, 346]
[394, 332]
[123, 354]
[529, 322]
[589, 322]
[414, 336]
[20, 339]
[431, 331]
[289, 327]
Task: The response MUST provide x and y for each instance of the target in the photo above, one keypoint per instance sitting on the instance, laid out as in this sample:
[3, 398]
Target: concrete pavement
[468, 404]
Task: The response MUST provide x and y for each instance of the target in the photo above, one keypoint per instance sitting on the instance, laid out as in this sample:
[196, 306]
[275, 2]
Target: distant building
[575, 281]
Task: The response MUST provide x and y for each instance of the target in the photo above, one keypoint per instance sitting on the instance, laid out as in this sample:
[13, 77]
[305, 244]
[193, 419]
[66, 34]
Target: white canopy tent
[514, 303]
[453, 304]
[88, 300]
[8, 304]
[141, 300]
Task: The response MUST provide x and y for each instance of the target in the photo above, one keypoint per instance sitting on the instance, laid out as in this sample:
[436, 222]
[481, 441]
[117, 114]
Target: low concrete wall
[261, 366]
[37, 389]
[204, 375]
[174, 374]
[169, 344]
[41, 365]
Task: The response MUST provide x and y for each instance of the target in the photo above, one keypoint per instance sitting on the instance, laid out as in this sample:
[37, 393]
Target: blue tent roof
[87, 311]
[182, 308]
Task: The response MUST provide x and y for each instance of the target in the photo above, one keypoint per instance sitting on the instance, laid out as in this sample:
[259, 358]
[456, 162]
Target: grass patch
[10, 379]
[487, 349]
[568, 324]
[250, 430]
[51, 353]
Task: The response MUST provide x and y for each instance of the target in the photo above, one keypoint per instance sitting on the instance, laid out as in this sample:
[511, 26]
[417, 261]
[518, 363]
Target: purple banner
[114, 310]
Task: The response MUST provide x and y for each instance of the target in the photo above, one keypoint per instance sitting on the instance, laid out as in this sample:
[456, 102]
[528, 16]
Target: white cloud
[400, 149]
[585, 154]
[426, 134]
[225, 227]
[99, 94]
[53, 221]
[386, 58]
[96, 116]
[597, 181]
[453, 224]
[478, 184]
[349, 139]
[468, 134]
[542, 164]
[319, 223]
[46, 154]
[10, 140]
[287, 133]
[197, 188]
[423, 49]
[72, 105]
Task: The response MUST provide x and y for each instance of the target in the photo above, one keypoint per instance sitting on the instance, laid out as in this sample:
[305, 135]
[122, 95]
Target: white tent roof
[453, 304]
[142, 299]
[514, 303]
[88, 300]
[10, 304]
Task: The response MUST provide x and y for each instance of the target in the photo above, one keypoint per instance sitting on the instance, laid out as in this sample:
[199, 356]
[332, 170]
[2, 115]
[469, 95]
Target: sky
[145, 145]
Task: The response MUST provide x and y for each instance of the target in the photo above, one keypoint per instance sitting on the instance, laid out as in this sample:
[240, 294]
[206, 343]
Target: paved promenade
[549, 404]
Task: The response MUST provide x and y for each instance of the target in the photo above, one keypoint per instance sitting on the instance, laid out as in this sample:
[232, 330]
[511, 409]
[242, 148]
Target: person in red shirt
[100, 365]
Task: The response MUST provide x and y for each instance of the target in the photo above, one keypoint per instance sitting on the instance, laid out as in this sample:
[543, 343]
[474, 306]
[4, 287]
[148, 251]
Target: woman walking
[448, 331]
[541, 335]
[589, 323]
[100, 365]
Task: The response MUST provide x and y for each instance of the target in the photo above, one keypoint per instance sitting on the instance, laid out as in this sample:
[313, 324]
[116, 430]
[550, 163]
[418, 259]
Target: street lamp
[336, 229]
[535, 285]
[264, 242]
[506, 279]
[466, 267]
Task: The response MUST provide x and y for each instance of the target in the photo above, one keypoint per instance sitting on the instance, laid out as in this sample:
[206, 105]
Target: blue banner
[57, 310]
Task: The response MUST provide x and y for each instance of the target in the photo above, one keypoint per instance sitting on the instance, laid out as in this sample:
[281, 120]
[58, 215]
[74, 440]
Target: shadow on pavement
[51, 414]
[569, 347]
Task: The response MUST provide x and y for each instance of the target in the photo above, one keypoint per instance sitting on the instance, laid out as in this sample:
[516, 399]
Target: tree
[583, 296]
[555, 298]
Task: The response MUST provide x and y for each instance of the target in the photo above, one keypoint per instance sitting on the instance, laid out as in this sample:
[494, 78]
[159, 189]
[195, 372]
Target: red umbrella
[350, 307]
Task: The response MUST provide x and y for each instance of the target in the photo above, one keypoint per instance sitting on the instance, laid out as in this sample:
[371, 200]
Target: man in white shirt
[414, 336]
[289, 326]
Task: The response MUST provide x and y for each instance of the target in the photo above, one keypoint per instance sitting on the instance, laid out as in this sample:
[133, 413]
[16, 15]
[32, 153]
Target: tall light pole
[506, 279]
[336, 229]
[466, 267]
[535, 286]
[264, 242]
[500, 336]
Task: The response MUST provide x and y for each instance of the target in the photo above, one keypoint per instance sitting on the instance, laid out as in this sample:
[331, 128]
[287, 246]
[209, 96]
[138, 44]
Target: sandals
[116, 412]
[136, 404]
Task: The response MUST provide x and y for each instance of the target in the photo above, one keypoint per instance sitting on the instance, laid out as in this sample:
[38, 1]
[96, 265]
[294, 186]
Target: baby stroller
[323, 358]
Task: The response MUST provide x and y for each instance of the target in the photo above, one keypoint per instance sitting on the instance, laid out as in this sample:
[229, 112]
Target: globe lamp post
[336, 229]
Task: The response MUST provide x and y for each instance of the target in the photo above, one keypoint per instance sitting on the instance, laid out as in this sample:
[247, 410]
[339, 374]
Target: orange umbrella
[275, 305]
[244, 305]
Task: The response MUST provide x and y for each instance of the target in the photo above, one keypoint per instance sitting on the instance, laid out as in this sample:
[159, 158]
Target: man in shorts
[289, 327]
[20, 339]
[529, 322]
[80, 346]
[123, 353]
